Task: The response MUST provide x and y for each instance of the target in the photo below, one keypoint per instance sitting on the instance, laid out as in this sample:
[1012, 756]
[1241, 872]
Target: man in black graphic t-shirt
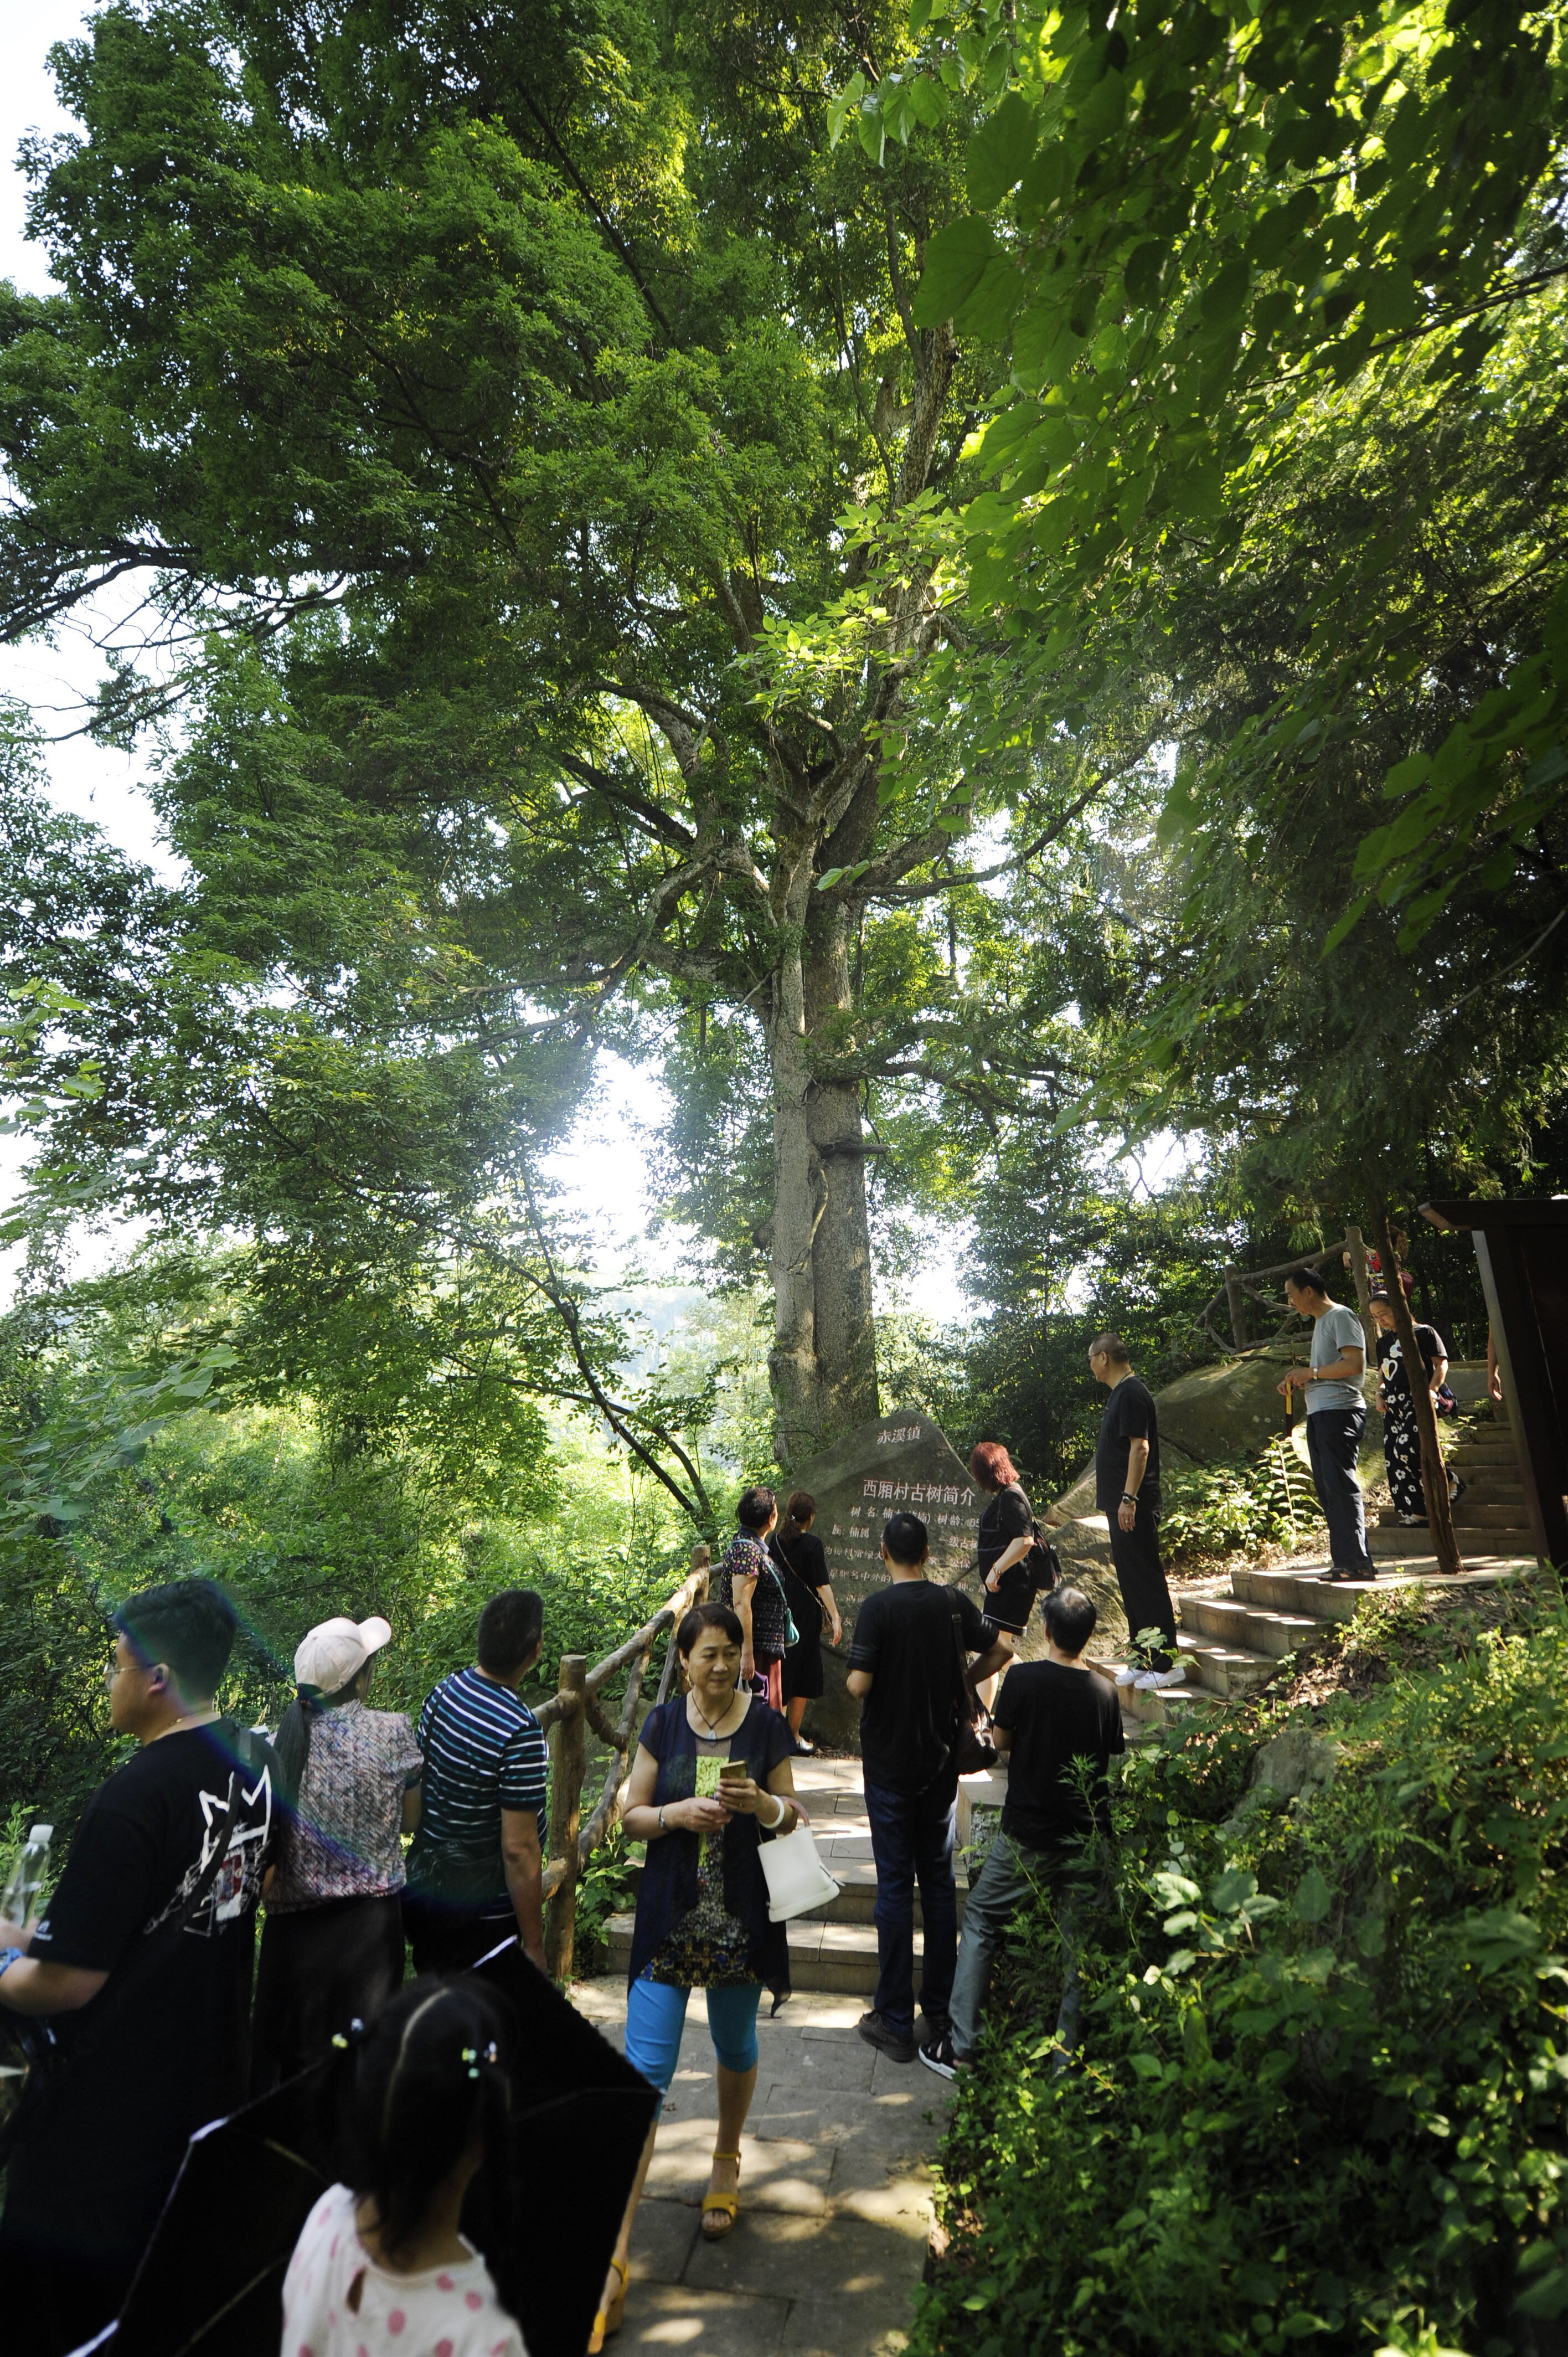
[1127, 1493]
[141, 1968]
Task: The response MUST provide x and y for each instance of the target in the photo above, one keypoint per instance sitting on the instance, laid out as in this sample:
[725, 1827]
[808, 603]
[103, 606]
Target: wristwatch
[662, 1826]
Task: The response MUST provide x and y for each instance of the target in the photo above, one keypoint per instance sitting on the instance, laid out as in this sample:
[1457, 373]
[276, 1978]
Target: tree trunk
[1434, 1475]
[822, 1366]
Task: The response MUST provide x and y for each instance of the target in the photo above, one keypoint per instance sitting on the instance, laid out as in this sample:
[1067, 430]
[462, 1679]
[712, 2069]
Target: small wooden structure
[1521, 1247]
[567, 1717]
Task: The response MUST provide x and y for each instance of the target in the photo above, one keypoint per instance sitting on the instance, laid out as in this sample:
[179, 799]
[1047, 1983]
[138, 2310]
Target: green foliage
[1210, 211]
[299, 1511]
[1239, 1507]
[1322, 2089]
[606, 1886]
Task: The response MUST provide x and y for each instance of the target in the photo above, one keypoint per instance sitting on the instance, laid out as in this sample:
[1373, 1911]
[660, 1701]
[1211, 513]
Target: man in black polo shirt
[1127, 1493]
[904, 1671]
[1060, 1727]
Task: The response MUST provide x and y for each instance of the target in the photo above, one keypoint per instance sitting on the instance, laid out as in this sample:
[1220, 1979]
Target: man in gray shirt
[1336, 1418]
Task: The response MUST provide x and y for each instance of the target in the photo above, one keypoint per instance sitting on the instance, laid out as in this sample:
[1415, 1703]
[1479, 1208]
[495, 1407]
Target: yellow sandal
[609, 2320]
[720, 2205]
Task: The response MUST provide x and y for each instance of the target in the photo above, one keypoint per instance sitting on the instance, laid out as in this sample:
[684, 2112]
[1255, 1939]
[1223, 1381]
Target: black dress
[1008, 1515]
[803, 1568]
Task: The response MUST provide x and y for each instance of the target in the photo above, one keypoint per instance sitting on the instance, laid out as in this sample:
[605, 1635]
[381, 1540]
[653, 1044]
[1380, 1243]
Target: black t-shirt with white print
[163, 2047]
[1392, 1368]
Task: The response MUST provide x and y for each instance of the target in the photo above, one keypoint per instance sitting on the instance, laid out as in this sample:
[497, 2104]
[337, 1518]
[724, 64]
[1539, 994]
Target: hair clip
[340, 2042]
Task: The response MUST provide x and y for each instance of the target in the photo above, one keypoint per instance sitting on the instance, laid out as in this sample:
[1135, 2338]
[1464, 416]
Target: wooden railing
[567, 1717]
[1241, 1285]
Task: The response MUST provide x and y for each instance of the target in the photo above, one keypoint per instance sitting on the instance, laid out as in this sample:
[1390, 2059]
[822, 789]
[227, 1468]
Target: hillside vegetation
[1321, 2099]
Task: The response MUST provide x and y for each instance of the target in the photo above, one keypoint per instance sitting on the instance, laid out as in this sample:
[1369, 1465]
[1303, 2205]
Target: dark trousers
[1010, 1877]
[1139, 1575]
[320, 1971]
[912, 1842]
[446, 1937]
[1334, 1443]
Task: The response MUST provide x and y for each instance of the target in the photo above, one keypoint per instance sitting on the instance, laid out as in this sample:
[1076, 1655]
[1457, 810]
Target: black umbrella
[210, 2280]
[581, 2117]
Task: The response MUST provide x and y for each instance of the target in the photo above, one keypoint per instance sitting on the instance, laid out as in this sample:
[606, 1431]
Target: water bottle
[27, 1877]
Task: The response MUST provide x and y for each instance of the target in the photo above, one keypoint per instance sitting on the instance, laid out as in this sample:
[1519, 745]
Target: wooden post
[567, 1768]
[1237, 1301]
[1355, 1247]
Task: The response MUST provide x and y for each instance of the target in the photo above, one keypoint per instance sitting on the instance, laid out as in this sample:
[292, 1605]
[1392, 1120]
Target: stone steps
[1510, 1538]
[1476, 1512]
[1227, 1670]
[1254, 1628]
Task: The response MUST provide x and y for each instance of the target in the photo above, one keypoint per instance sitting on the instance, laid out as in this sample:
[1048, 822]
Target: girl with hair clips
[710, 1782]
[381, 2264]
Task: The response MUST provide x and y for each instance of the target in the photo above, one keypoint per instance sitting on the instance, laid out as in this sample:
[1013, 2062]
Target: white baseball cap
[338, 1650]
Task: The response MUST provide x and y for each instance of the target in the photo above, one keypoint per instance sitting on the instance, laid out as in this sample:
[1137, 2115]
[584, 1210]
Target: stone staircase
[1489, 1519]
[1233, 1637]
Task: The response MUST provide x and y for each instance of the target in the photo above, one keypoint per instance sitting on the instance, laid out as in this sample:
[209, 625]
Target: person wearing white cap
[332, 1944]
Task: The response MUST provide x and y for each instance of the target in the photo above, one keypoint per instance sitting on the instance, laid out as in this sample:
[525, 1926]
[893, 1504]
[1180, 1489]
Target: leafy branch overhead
[1184, 225]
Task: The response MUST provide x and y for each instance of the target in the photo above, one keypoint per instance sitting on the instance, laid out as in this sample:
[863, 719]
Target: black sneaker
[891, 2042]
[937, 2055]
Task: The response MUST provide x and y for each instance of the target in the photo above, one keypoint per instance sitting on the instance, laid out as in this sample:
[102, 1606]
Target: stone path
[835, 2183]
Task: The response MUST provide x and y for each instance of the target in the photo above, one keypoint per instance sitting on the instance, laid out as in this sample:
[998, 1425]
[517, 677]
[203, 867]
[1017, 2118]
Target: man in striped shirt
[475, 1867]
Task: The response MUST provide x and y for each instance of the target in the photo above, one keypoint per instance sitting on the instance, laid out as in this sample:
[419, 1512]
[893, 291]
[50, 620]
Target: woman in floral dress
[702, 1903]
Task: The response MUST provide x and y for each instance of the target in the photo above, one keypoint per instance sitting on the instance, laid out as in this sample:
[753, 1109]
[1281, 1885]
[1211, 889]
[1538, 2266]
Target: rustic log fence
[571, 1709]
[1244, 1285]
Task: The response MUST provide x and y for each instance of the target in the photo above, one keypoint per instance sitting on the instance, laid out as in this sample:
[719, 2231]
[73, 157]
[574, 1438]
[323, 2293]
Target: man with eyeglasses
[135, 1980]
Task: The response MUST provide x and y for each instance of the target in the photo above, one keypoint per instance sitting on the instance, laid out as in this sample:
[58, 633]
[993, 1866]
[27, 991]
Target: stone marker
[903, 1462]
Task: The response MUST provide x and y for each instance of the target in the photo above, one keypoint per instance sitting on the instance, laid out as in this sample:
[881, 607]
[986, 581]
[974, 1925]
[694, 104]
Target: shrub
[1237, 1506]
[1321, 2099]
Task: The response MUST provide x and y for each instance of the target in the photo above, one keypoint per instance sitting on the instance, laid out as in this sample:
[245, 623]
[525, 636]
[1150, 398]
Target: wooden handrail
[573, 1708]
[1239, 1283]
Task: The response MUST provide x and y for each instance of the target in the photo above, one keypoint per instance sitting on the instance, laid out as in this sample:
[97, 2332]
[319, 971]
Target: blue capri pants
[656, 2016]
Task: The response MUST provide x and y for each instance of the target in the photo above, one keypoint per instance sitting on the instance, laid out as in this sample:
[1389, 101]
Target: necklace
[713, 1725]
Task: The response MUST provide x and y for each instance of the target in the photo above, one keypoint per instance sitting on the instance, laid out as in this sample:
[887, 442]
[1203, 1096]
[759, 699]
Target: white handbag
[796, 1879]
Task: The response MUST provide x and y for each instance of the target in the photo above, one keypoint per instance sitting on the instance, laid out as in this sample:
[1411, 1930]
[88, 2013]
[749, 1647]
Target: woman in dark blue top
[702, 1903]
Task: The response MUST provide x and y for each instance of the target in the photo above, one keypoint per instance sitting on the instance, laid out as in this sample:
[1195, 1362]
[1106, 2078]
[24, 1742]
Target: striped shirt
[484, 1751]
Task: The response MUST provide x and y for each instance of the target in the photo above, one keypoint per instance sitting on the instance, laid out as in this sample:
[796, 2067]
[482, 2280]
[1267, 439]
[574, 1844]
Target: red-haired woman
[1006, 1543]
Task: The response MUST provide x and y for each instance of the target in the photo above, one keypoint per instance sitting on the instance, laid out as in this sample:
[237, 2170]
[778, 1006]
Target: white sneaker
[1130, 1675]
[1153, 1681]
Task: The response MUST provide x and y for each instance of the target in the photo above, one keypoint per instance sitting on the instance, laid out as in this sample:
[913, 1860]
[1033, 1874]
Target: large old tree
[518, 432]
